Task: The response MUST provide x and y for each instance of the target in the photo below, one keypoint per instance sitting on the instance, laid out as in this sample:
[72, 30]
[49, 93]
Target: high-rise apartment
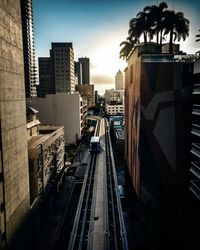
[14, 176]
[28, 48]
[62, 59]
[85, 70]
[119, 81]
[78, 72]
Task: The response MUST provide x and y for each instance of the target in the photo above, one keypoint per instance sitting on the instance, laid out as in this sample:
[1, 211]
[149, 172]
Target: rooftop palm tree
[156, 17]
[140, 26]
[198, 37]
[127, 47]
[176, 25]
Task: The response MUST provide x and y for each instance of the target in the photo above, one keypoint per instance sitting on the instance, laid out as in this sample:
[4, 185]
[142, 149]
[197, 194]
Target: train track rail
[85, 231]
[116, 234]
[80, 231]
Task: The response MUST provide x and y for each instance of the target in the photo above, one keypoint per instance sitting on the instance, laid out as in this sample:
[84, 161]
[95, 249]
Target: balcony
[195, 149]
[196, 109]
[195, 188]
[196, 89]
[195, 129]
[195, 169]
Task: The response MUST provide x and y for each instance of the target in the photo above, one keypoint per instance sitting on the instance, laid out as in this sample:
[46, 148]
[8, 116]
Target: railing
[196, 109]
[196, 89]
[195, 188]
[196, 129]
[196, 149]
[195, 168]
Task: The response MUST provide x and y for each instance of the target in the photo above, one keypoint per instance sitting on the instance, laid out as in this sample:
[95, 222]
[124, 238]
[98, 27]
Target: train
[95, 144]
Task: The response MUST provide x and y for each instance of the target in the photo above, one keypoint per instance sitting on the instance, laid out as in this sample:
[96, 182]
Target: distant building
[78, 71]
[62, 109]
[114, 96]
[119, 81]
[62, 59]
[46, 148]
[158, 98]
[30, 74]
[85, 62]
[14, 180]
[46, 85]
[87, 93]
[115, 109]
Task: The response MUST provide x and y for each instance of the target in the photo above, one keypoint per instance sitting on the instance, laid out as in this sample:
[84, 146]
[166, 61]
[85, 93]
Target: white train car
[95, 144]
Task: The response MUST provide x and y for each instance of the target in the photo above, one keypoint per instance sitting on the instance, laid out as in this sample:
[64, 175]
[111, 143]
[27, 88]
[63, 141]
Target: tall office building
[14, 177]
[28, 48]
[62, 60]
[46, 85]
[78, 72]
[119, 81]
[85, 70]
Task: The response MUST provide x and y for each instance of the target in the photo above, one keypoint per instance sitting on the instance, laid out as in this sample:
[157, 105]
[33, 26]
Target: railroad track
[80, 231]
[88, 232]
[115, 229]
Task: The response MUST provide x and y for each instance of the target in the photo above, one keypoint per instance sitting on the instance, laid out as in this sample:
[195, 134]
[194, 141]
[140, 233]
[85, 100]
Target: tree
[127, 47]
[198, 37]
[176, 25]
[156, 17]
[139, 26]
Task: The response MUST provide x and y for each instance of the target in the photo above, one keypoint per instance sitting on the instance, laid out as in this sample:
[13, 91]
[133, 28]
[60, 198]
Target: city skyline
[97, 28]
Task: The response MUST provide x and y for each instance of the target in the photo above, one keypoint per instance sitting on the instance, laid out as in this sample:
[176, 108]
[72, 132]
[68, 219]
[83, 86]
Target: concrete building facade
[85, 62]
[119, 81]
[46, 148]
[158, 97]
[30, 74]
[61, 109]
[14, 180]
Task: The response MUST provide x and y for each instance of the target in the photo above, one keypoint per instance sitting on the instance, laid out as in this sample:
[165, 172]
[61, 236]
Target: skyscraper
[119, 80]
[78, 72]
[46, 85]
[62, 59]
[14, 177]
[85, 70]
[28, 48]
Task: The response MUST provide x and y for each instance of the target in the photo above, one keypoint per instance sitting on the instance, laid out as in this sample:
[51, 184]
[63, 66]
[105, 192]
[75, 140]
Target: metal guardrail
[115, 237]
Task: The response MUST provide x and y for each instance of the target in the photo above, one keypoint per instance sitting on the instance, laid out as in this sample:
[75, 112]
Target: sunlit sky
[96, 28]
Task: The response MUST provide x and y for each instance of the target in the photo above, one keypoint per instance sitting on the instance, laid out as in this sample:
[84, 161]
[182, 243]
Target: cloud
[102, 79]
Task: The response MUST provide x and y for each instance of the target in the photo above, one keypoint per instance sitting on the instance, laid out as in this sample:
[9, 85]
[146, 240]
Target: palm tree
[198, 36]
[140, 25]
[176, 25]
[156, 17]
[127, 47]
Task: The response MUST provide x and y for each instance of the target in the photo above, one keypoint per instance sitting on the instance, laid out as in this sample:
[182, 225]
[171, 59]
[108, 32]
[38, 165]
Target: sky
[97, 27]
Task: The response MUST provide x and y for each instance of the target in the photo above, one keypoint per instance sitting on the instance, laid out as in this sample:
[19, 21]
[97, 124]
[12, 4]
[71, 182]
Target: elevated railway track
[99, 221]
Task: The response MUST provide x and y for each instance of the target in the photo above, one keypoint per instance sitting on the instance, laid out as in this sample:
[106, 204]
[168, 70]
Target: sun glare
[106, 58]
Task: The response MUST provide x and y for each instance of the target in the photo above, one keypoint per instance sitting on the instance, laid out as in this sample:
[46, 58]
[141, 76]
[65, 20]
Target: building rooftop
[45, 132]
